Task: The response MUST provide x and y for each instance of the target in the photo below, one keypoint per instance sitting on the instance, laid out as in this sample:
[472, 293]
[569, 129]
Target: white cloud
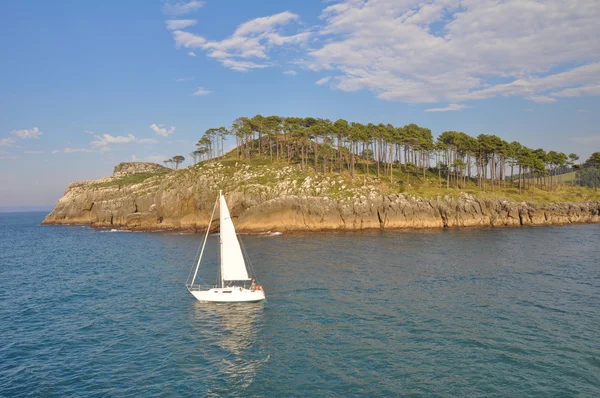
[104, 141]
[542, 99]
[323, 81]
[452, 50]
[33, 152]
[290, 72]
[7, 141]
[177, 24]
[582, 110]
[184, 79]
[182, 8]
[188, 40]
[75, 150]
[161, 130]
[242, 66]
[590, 139]
[451, 107]
[251, 41]
[55, 151]
[192, 54]
[25, 134]
[202, 91]
[592, 89]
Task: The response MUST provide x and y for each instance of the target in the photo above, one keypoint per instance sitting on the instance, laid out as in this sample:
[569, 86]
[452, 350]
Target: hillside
[269, 197]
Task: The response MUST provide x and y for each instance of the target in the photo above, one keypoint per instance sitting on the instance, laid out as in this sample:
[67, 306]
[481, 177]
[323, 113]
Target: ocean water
[459, 312]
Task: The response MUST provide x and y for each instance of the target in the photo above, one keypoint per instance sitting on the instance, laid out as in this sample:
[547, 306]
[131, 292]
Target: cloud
[75, 150]
[7, 141]
[182, 8]
[250, 42]
[592, 89]
[192, 54]
[55, 151]
[290, 72]
[202, 91]
[33, 152]
[451, 107]
[103, 141]
[590, 139]
[188, 40]
[25, 134]
[323, 81]
[451, 50]
[177, 24]
[161, 130]
[184, 79]
[542, 99]
[582, 110]
[242, 66]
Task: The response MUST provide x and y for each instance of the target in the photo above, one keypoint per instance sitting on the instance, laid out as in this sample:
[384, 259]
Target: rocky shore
[146, 196]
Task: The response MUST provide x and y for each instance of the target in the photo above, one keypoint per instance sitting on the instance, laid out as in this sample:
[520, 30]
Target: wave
[268, 233]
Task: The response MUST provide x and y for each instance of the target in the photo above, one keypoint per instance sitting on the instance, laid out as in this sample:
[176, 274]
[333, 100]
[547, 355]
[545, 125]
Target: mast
[221, 240]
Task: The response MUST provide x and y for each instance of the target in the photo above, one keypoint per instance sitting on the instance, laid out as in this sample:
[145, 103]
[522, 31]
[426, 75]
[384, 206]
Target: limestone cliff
[147, 196]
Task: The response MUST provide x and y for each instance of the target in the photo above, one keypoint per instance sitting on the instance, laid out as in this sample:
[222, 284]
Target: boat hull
[234, 294]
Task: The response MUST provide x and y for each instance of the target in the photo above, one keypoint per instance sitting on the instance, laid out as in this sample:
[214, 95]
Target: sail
[233, 267]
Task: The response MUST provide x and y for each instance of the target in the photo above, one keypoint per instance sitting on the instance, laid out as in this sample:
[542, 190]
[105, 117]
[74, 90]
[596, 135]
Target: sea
[495, 312]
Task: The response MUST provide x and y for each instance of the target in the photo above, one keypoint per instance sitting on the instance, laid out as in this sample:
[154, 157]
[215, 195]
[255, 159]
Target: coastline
[263, 198]
[288, 231]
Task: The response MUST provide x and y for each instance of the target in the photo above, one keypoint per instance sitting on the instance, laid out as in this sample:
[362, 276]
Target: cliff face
[264, 198]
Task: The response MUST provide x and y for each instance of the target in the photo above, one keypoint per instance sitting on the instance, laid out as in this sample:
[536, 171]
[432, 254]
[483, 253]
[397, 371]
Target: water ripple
[474, 312]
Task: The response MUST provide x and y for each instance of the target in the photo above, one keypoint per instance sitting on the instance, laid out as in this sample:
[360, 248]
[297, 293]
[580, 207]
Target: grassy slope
[402, 182]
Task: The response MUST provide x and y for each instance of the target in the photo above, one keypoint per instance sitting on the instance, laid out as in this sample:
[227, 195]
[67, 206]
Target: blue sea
[497, 312]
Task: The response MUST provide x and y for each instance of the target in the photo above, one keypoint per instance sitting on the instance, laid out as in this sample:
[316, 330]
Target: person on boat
[253, 285]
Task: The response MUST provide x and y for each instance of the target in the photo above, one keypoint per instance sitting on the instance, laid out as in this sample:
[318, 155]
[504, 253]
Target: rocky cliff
[145, 196]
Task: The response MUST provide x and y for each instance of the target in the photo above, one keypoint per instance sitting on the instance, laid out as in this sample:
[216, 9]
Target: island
[308, 174]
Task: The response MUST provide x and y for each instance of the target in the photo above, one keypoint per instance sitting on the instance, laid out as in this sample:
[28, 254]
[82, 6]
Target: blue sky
[85, 85]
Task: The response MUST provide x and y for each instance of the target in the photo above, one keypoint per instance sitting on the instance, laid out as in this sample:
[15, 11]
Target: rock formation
[147, 196]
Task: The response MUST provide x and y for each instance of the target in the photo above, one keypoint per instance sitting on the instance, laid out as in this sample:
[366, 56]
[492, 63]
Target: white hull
[228, 295]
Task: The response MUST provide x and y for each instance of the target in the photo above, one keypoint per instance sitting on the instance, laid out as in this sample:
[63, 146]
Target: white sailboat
[235, 283]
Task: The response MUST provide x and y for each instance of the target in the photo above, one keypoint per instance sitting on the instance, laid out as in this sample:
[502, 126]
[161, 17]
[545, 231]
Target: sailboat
[234, 286]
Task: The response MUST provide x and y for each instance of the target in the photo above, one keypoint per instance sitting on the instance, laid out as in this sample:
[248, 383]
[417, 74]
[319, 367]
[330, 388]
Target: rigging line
[248, 258]
[204, 244]
[193, 262]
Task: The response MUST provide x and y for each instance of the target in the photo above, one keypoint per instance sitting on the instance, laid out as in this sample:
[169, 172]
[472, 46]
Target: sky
[85, 85]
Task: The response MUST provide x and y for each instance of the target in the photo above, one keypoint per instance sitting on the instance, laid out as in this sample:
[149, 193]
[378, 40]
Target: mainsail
[233, 267]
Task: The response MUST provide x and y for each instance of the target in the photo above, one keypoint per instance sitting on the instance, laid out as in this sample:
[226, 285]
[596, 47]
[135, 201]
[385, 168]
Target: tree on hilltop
[177, 159]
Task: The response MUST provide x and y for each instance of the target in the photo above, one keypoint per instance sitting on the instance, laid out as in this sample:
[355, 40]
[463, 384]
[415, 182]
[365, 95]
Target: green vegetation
[403, 159]
[130, 179]
[177, 160]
